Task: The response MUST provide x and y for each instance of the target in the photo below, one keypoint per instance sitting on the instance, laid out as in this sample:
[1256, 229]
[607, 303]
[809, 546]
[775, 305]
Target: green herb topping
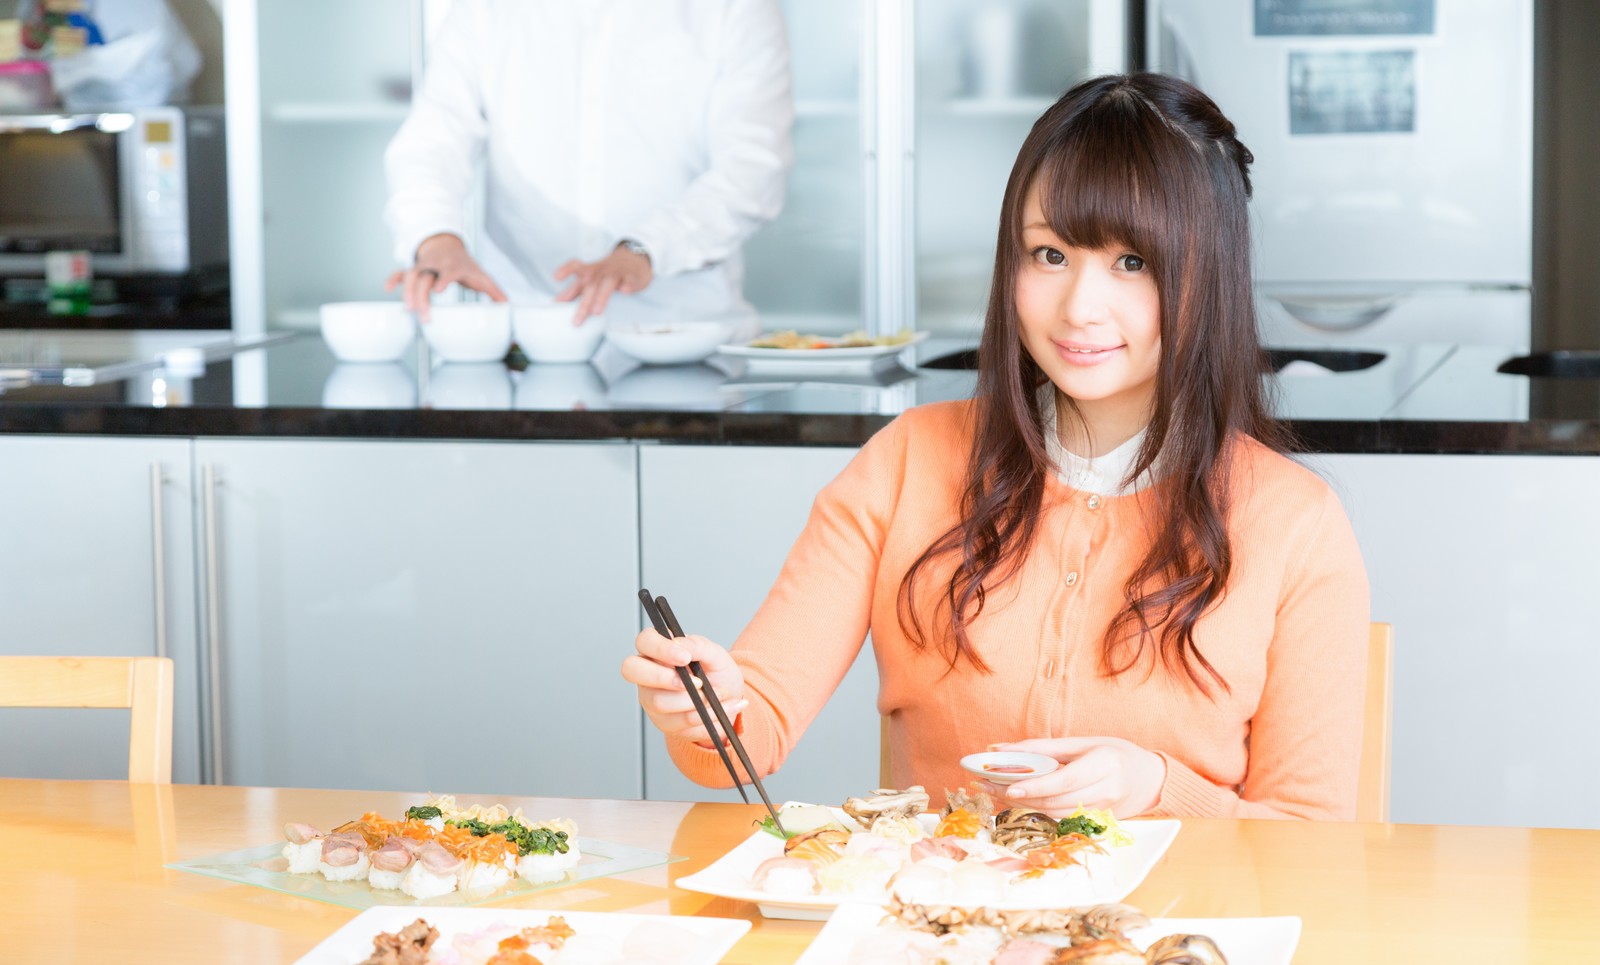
[1080, 824]
[528, 840]
[423, 812]
[771, 827]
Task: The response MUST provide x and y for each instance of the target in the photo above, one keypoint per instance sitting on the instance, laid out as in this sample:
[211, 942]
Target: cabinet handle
[208, 477]
[158, 550]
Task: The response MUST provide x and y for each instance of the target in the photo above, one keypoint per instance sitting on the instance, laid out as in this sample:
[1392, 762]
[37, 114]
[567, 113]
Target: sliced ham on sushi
[304, 850]
[392, 861]
[434, 873]
[344, 857]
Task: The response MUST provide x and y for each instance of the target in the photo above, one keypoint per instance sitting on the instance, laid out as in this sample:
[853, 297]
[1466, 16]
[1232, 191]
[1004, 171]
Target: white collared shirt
[597, 120]
[1102, 475]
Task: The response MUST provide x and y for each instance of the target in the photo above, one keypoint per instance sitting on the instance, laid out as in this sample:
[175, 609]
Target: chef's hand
[661, 693]
[441, 260]
[1095, 772]
[596, 281]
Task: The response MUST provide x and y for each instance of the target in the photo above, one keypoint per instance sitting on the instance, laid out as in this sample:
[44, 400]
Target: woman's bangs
[1098, 185]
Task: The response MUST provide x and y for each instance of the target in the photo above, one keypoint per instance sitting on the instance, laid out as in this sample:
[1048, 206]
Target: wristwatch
[637, 247]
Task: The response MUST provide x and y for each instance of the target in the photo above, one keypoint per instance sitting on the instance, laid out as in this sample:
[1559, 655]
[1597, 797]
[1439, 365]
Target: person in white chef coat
[630, 148]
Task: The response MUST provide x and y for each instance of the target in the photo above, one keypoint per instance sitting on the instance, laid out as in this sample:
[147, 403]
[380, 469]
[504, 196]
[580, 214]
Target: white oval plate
[730, 875]
[1246, 941]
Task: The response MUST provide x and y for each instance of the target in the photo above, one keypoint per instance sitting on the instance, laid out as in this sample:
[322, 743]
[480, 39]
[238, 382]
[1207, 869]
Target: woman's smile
[1079, 353]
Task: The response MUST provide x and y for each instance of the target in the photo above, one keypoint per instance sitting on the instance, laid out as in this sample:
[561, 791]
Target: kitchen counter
[1416, 399]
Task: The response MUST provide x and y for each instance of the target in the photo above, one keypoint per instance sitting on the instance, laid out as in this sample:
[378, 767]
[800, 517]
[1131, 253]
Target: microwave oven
[143, 191]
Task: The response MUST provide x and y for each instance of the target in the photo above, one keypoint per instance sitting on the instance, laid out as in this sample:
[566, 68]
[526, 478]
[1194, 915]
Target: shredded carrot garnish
[959, 823]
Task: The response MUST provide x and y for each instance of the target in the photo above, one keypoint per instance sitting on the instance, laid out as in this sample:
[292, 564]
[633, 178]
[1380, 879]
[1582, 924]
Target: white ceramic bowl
[669, 343]
[1008, 767]
[545, 333]
[366, 386]
[469, 331]
[367, 331]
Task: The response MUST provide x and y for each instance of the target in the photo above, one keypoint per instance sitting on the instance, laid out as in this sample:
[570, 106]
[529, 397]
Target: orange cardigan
[1289, 637]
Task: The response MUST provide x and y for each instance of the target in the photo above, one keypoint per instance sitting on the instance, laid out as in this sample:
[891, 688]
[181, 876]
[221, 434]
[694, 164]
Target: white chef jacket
[664, 121]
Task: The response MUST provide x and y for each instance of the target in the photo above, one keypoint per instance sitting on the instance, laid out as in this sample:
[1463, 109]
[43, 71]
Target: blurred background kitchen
[1468, 221]
[182, 179]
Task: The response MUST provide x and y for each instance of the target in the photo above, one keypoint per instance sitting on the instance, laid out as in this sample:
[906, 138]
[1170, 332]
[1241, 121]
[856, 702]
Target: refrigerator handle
[158, 554]
[212, 726]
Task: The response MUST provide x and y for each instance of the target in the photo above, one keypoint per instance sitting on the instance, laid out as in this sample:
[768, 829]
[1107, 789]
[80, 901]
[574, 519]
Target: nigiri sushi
[304, 850]
[390, 862]
[548, 852]
[433, 873]
[344, 857]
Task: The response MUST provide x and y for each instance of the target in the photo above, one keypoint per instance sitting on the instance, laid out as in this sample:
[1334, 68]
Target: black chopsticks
[666, 624]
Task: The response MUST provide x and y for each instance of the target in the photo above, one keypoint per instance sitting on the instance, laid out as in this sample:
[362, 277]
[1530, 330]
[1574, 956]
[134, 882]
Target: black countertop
[1417, 399]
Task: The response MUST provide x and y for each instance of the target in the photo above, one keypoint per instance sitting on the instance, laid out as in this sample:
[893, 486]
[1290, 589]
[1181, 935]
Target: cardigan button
[1072, 578]
[1094, 502]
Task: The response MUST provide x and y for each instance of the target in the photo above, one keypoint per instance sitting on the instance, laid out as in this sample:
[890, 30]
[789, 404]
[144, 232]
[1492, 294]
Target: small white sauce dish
[367, 331]
[1002, 767]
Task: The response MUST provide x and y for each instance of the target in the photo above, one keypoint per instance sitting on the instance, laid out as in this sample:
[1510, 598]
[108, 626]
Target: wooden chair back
[1372, 787]
[142, 685]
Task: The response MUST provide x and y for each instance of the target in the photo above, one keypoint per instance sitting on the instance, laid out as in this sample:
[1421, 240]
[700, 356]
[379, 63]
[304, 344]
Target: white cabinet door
[1486, 566]
[425, 616]
[96, 544]
[715, 526]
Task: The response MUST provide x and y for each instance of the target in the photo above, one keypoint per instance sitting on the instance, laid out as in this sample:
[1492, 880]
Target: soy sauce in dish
[1008, 768]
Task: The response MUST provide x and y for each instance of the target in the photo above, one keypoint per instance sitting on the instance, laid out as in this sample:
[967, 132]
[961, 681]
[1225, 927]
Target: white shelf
[318, 113]
[300, 319]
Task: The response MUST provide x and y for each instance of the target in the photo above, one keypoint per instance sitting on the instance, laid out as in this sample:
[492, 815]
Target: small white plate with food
[871, 933]
[1008, 767]
[472, 936]
[819, 354]
[884, 845]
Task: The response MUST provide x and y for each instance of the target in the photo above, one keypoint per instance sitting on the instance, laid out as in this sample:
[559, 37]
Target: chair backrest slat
[143, 685]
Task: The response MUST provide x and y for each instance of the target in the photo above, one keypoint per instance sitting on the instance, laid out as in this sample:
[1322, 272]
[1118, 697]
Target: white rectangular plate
[1246, 941]
[626, 938]
[817, 360]
[730, 875]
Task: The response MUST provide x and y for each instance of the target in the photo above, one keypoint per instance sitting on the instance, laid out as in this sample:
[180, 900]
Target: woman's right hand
[661, 694]
[441, 260]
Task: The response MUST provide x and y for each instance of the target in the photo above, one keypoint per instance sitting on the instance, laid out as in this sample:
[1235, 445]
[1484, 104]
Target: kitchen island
[277, 511]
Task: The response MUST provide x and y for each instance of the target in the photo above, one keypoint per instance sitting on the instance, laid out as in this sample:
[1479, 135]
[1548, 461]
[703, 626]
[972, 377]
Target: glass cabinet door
[331, 86]
[985, 70]
[804, 270]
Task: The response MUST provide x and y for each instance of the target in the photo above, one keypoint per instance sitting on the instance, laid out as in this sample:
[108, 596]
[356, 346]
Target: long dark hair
[1147, 163]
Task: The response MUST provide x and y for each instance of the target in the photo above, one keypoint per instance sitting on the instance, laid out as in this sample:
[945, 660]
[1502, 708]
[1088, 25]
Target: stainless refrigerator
[1394, 154]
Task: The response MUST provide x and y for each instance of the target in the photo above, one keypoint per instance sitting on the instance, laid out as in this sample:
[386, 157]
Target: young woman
[1102, 556]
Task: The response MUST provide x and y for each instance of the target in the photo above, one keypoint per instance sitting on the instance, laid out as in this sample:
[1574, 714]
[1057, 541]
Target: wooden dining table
[84, 878]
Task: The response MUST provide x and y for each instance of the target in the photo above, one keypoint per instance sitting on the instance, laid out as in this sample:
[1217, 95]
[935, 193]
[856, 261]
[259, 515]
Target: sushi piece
[304, 850]
[434, 872]
[548, 851]
[483, 876]
[390, 862]
[344, 857]
[786, 876]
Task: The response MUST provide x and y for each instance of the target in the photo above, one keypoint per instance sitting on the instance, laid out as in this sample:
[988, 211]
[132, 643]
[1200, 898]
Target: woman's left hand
[1095, 772]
